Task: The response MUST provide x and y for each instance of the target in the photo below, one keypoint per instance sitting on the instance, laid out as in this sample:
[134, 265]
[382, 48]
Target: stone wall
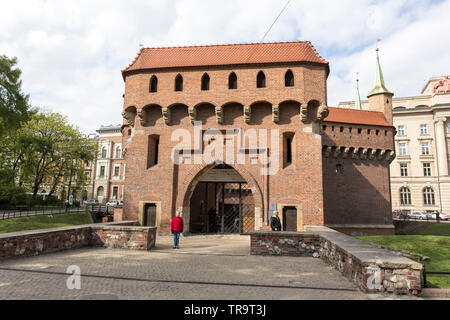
[124, 235]
[371, 268]
[285, 244]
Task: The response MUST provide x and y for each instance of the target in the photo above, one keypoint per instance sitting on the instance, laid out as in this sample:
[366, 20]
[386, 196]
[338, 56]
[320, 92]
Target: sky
[71, 53]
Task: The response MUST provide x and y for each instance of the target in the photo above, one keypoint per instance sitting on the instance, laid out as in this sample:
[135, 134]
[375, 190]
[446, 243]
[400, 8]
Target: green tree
[14, 106]
[53, 149]
[14, 111]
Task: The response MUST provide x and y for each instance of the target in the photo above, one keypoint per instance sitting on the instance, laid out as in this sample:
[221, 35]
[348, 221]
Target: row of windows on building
[404, 169]
[153, 149]
[102, 171]
[118, 154]
[428, 196]
[232, 81]
[423, 129]
[115, 193]
[403, 150]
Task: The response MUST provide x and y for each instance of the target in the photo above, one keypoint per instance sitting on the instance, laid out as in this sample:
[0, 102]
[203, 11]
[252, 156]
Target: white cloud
[71, 52]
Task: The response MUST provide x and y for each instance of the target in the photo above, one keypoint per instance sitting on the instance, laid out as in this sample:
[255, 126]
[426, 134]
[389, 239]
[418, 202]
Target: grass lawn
[433, 241]
[44, 222]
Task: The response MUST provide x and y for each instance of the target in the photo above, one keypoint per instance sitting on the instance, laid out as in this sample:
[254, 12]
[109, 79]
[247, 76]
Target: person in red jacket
[177, 227]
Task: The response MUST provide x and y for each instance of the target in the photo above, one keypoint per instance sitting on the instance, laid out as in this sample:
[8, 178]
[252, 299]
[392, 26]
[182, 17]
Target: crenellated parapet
[356, 153]
[282, 113]
[363, 136]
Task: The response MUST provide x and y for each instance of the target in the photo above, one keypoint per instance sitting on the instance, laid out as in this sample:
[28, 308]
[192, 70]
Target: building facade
[420, 180]
[228, 134]
[107, 174]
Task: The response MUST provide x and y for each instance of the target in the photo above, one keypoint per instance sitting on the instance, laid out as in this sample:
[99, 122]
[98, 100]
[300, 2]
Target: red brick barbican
[272, 86]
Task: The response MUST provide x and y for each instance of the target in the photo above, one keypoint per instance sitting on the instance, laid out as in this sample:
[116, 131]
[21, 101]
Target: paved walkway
[205, 268]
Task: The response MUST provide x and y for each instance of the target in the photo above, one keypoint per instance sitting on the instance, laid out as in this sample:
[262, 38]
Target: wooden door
[150, 215]
[290, 219]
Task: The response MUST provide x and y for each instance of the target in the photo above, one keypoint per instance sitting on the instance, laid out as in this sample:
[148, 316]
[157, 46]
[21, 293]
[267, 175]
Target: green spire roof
[358, 105]
[379, 81]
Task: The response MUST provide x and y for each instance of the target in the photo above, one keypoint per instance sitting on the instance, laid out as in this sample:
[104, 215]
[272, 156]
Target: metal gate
[231, 210]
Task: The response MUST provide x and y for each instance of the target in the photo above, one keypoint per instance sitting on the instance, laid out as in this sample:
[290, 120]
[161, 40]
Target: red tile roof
[353, 116]
[230, 54]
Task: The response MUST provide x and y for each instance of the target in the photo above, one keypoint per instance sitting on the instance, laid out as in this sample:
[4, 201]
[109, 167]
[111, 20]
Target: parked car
[90, 202]
[417, 215]
[400, 214]
[442, 216]
[397, 213]
[114, 203]
[431, 215]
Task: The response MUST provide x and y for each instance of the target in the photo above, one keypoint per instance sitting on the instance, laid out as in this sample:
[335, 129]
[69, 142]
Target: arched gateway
[222, 199]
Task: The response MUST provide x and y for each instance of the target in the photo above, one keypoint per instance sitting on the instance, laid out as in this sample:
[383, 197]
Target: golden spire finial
[378, 48]
[379, 79]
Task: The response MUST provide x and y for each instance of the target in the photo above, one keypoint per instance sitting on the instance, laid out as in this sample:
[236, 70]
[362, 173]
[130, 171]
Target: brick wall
[171, 183]
[359, 195]
[120, 237]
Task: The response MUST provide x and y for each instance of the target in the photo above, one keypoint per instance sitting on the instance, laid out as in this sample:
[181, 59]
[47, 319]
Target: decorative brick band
[371, 268]
[123, 235]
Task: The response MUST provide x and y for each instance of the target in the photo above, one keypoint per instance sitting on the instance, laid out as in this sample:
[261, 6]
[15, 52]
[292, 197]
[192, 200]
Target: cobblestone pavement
[205, 268]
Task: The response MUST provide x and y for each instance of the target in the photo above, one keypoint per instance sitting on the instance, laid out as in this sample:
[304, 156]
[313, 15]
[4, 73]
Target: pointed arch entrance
[221, 200]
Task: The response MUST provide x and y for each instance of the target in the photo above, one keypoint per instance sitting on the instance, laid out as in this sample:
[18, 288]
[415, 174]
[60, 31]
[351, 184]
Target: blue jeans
[176, 238]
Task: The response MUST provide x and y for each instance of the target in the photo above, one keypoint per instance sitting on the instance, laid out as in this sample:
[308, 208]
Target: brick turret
[380, 98]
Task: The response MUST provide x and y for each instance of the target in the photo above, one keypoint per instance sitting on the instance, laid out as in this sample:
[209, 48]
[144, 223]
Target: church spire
[358, 105]
[379, 79]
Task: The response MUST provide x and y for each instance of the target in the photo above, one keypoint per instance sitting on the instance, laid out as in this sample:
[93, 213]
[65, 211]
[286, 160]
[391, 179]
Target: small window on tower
[179, 83]
[153, 151]
[289, 79]
[288, 149]
[261, 80]
[154, 84]
[339, 169]
[232, 81]
[205, 82]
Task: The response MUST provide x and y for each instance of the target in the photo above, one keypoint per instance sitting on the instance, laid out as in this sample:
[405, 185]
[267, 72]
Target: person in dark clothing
[275, 222]
[212, 220]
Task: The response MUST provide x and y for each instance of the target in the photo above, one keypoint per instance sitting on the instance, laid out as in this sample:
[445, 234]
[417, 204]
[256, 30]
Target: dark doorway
[150, 215]
[290, 219]
[220, 207]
